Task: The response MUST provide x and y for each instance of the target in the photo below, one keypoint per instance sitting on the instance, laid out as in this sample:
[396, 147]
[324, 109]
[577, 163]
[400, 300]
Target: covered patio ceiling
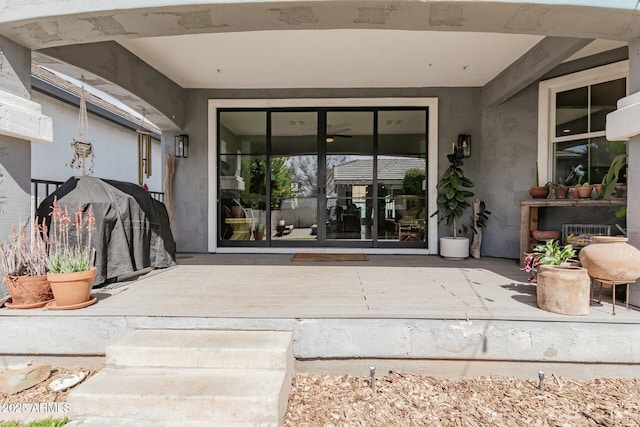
[336, 58]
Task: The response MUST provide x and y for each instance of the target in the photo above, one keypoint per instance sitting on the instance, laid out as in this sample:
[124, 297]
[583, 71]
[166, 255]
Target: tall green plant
[452, 193]
[412, 181]
[610, 180]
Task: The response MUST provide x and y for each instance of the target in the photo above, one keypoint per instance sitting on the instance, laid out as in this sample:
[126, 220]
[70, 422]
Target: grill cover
[132, 229]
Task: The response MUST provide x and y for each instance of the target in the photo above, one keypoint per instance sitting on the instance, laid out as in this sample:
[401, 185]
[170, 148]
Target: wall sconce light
[464, 144]
[144, 155]
[182, 146]
[330, 139]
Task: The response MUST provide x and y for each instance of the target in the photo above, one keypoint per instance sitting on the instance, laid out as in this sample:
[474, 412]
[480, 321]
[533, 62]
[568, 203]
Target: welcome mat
[329, 257]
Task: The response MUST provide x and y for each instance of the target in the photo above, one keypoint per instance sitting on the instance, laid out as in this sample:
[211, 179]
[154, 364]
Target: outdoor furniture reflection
[413, 230]
[241, 228]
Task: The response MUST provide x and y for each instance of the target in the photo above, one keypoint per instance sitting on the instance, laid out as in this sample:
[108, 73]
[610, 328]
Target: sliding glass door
[322, 177]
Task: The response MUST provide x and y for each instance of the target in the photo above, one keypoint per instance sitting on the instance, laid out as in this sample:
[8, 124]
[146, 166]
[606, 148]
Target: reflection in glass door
[401, 176]
[294, 176]
[323, 177]
[349, 175]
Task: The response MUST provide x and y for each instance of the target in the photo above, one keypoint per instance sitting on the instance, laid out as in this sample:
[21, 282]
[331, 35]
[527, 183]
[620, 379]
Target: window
[572, 114]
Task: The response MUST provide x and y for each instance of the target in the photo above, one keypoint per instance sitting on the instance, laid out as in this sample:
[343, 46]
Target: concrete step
[203, 349]
[187, 396]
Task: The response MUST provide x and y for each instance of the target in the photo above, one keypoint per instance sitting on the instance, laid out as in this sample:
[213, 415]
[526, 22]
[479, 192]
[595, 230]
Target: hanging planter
[82, 148]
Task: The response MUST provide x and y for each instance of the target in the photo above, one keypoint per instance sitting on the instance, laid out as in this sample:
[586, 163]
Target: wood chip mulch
[415, 400]
[409, 400]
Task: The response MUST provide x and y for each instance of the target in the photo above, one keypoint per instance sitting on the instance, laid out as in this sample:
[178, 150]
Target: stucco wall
[14, 183]
[115, 147]
[459, 112]
[508, 163]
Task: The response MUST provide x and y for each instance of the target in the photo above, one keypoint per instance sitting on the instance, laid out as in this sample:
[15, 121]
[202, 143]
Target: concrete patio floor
[385, 286]
[391, 307]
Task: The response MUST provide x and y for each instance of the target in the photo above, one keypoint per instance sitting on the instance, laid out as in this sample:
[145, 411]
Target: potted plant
[610, 180]
[584, 190]
[22, 263]
[258, 232]
[70, 257]
[562, 286]
[537, 191]
[561, 186]
[452, 202]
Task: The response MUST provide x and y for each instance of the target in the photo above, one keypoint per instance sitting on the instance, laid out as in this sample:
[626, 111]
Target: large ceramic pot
[72, 289]
[454, 248]
[563, 289]
[28, 291]
[611, 258]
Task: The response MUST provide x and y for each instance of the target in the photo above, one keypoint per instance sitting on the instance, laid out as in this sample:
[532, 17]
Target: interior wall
[459, 112]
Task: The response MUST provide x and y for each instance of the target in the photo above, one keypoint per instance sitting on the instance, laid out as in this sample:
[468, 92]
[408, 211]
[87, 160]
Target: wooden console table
[529, 214]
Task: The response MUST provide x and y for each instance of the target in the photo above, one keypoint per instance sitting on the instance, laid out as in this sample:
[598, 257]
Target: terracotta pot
[237, 211]
[72, 288]
[28, 290]
[258, 234]
[584, 192]
[561, 192]
[539, 192]
[614, 260]
[563, 289]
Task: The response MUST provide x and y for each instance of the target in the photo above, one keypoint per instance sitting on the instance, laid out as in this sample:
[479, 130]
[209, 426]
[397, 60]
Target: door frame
[432, 164]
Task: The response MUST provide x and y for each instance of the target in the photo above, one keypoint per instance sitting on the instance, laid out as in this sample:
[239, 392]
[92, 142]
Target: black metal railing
[157, 195]
[42, 188]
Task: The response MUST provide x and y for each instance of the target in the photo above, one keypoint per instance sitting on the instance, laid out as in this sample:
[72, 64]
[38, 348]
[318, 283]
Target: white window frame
[547, 112]
[432, 167]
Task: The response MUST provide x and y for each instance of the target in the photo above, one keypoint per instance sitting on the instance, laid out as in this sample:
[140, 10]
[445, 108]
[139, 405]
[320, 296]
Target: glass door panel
[323, 177]
[401, 174]
[242, 178]
[294, 176]
[349, 144]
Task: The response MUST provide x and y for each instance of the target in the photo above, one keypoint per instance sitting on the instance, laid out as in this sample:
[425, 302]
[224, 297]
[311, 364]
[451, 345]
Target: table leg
[627, 300]
[613, 288]
[525, 232]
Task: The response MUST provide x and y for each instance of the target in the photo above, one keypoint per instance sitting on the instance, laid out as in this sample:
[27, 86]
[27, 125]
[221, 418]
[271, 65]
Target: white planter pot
[454, 248]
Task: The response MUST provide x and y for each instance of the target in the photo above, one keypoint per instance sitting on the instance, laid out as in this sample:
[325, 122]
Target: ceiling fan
[332, 135]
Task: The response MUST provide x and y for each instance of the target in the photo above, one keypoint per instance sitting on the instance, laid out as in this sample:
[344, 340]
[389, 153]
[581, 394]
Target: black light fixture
[464, 144]
[182, 146]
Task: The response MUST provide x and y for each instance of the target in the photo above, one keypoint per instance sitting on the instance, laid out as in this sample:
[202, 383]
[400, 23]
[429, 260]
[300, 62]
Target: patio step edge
[229, 394]
[203, 349]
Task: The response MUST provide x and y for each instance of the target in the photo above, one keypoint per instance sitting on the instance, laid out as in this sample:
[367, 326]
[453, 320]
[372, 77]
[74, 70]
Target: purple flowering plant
[549, 253]
[531, 263]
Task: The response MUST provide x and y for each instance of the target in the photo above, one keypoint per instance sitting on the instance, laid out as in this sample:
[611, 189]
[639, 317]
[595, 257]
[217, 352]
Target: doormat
[329, 257]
